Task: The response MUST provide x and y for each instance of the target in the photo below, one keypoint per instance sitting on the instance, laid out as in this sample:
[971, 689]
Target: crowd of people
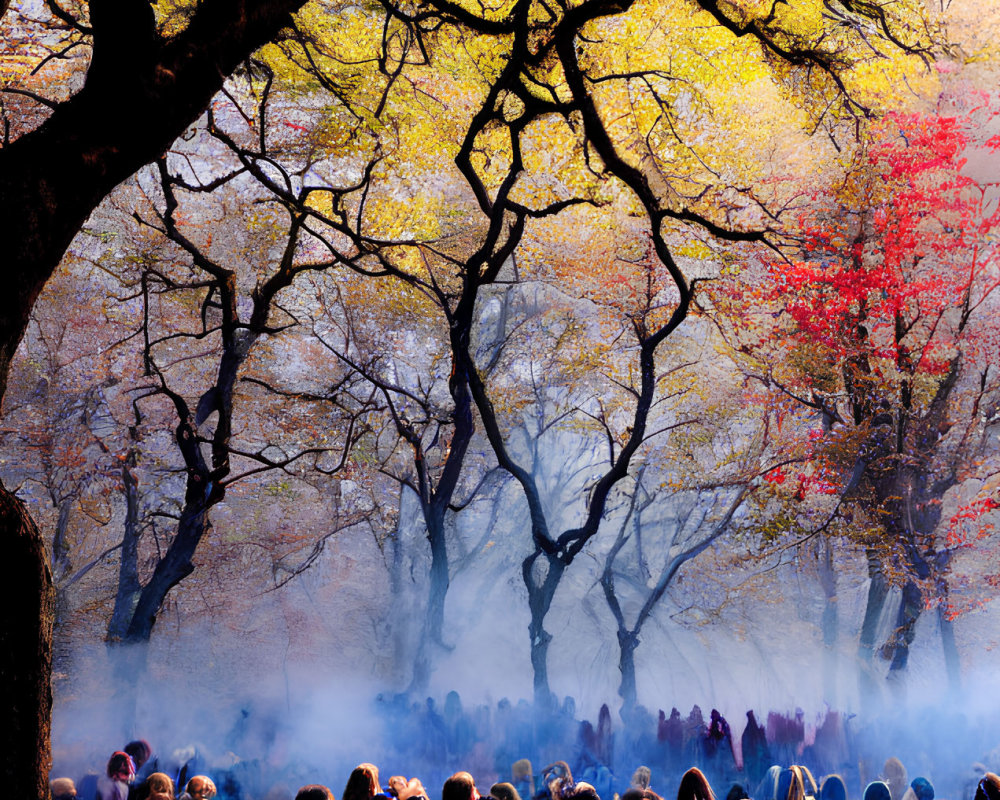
[668, 756]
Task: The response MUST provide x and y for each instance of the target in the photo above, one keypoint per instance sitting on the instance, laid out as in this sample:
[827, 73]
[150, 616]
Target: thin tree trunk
[828, 580]
[952, 662]
[129, 587]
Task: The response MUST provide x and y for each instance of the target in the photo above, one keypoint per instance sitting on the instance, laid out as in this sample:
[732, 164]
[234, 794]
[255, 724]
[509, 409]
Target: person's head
[504, 791]
[139, 750]
[460, 786]
[396, 784]
[159, 784]
[121, 767]
[200, 787]
[363, 783]
[62, 789]
[737, 792]
[878, 790]
[922, 789]
[641, 778]
[584, 791]
[694, 786]
[411, 789]
[894, 774]
[989, 787]
[314, 791]
[833, 788]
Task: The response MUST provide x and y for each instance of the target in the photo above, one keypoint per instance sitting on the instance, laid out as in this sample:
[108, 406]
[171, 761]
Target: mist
[311, 679]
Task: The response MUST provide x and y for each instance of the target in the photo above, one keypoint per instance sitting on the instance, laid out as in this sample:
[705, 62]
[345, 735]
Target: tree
[892, 292]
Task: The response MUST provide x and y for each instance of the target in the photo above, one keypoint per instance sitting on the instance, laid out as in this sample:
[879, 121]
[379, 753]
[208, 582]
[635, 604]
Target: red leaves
[966, 526]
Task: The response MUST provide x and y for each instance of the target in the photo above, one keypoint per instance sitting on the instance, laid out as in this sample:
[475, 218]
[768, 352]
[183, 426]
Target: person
[922, 789]
[717, 746]
[558, 779]
[362, 784]
[114, 784]
[694, 732]
[62, 789]
[790, 786]
[694, 786]
[200, 787]
[460, 786]
[988, 788]
[834, 788]
[314, 791]
[756, 754]
[641, 778]
[768, 787]
[523, 777]
[157, 786]
[142, 757]
[640, 794]
[411, 789]
[878, 790]
[504, 791]
[894, 775]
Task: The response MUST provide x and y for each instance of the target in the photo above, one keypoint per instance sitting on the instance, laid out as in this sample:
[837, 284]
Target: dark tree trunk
[26, 617]
[51, 179]
[541, 591]
[439, 578]
[170, 570]
[910, 608]
[60, 546]
[627, 643]
[878, 593]
[129, 586]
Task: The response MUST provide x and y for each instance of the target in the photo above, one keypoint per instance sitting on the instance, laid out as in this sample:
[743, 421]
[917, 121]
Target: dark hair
[694, 786]
[139, 750]
[989, 787]
[834, 788]
[737, 792]
[879, 790]
[505, 791]
[458, 787]
[922, 789]
[314, 791]
[363, 783]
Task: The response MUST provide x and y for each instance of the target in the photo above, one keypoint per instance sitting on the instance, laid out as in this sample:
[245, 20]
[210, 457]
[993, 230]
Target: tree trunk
[878, 593]
[828, 580]
[129, 587]
[540, 594]
[26, 616]
[627, 644]
[910, 609]
[952, 663]
[170, 570]
[439, 580]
